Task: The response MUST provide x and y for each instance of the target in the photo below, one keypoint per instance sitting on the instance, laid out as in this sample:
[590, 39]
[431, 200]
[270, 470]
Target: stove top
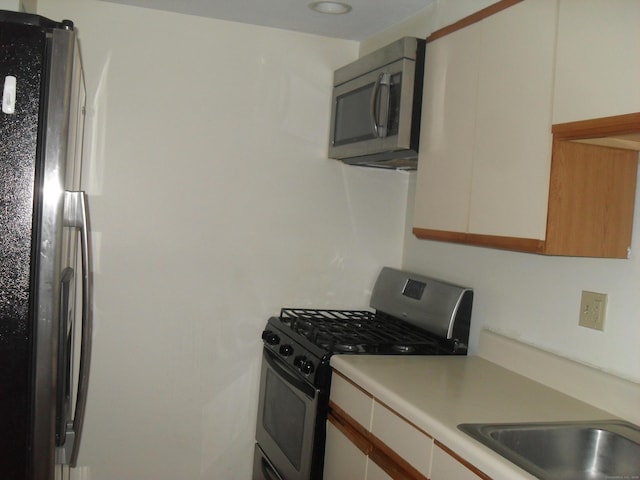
[362, 331]
[411, 315]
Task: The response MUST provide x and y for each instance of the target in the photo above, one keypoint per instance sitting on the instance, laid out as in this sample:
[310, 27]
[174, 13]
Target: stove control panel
[271, 338]
[286, 350]
[290, 352]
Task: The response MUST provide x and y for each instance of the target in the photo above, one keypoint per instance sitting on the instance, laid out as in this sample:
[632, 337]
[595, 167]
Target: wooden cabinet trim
[387, 459]
[527, 245]
[615, 126]
[351, 429]
[461, 460]
[471, 19]
[392, 463]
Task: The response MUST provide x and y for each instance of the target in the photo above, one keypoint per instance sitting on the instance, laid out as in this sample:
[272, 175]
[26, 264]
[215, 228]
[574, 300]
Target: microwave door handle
[379, 130]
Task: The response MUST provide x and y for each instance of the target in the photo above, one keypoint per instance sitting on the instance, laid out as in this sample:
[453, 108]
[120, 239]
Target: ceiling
[367, 18]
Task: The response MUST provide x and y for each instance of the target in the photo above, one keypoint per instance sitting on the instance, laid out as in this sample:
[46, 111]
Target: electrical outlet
[593, 308]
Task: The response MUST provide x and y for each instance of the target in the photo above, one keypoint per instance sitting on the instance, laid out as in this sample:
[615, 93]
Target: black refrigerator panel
[22, 56]
[44, 261]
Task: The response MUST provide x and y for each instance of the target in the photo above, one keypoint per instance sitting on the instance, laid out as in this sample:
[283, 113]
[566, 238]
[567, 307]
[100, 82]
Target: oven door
[286, 425]
[262, 468]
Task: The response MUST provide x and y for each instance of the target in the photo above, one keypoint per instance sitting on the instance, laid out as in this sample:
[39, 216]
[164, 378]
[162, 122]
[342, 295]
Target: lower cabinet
[345, 460]
[445, 467]
[342, 458]
[374, 472]
[368, 440]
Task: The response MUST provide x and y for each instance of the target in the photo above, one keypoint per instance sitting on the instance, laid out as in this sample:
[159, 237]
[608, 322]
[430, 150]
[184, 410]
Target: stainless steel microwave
[376, 107]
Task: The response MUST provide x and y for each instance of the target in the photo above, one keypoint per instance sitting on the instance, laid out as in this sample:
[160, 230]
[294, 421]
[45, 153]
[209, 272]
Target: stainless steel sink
[565, 450]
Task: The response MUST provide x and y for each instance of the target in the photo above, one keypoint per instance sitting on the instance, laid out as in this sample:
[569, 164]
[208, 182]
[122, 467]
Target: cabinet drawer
[446, 467]
[407, 441]
[354, 401]
[343, 459]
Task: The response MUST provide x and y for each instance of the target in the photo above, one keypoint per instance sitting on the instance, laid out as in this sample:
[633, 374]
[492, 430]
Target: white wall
[531, 298]
[15, 5]
[213, 205]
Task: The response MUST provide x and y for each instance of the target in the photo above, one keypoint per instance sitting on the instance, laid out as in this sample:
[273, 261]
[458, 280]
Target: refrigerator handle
[77, 216]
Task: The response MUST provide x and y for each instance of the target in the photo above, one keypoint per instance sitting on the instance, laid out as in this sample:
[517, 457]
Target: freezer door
[22, 56]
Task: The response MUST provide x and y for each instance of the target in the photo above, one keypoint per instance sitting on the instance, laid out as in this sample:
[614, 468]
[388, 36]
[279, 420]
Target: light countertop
[438, 393]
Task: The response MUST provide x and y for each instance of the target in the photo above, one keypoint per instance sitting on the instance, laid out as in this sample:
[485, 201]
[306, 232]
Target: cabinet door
[447, 131]
[404, 439]
[351, 399]
[445, 467]
[342, 458]
[374, 472]
[598, 59]
[512, 148]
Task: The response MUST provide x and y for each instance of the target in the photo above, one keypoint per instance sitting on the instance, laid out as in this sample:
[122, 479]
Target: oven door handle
[276, 364]
[268, 471]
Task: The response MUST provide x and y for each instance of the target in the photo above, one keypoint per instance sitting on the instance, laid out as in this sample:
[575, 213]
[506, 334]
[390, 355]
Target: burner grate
[359, 331]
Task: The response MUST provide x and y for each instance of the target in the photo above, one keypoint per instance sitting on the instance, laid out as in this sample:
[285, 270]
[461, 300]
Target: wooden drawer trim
[370, 445]
[392, 463]
[461, 460]
[351, 429]
[471, 19]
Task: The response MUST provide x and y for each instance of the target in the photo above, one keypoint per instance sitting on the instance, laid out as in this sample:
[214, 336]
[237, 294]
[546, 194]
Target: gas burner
[288, 321]
[347, 348]
[403, 348]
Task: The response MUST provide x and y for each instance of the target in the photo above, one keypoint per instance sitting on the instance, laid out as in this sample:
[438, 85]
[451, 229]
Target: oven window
[283, 417]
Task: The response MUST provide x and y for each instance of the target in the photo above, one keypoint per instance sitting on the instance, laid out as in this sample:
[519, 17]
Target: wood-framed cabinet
[597, 60]
[492, 172]
[367, 440]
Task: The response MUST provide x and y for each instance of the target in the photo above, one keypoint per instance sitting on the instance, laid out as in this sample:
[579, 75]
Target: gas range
[411, 315]
[414, 315]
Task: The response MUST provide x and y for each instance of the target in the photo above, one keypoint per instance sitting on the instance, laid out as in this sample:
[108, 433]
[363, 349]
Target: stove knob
[299, 361]
[270, 337]
[307, 367]
[286, 350]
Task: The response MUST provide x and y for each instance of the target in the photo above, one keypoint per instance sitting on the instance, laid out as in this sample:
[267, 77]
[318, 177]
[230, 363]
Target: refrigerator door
[61, 266]
[22, 56]
[45, 148]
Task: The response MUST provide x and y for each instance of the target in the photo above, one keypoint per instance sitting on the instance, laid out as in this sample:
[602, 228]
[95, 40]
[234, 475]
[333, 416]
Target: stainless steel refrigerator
[45, 279]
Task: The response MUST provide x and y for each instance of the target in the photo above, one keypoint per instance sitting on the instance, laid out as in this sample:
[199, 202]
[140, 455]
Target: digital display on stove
[414, 289]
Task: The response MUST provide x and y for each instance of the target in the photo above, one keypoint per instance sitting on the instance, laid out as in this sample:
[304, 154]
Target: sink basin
[565, 450]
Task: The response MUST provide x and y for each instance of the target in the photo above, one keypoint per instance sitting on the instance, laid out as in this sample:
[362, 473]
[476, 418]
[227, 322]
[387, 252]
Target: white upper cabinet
[512, 154]
[486, 137]
[448, 131]
[598, 59]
